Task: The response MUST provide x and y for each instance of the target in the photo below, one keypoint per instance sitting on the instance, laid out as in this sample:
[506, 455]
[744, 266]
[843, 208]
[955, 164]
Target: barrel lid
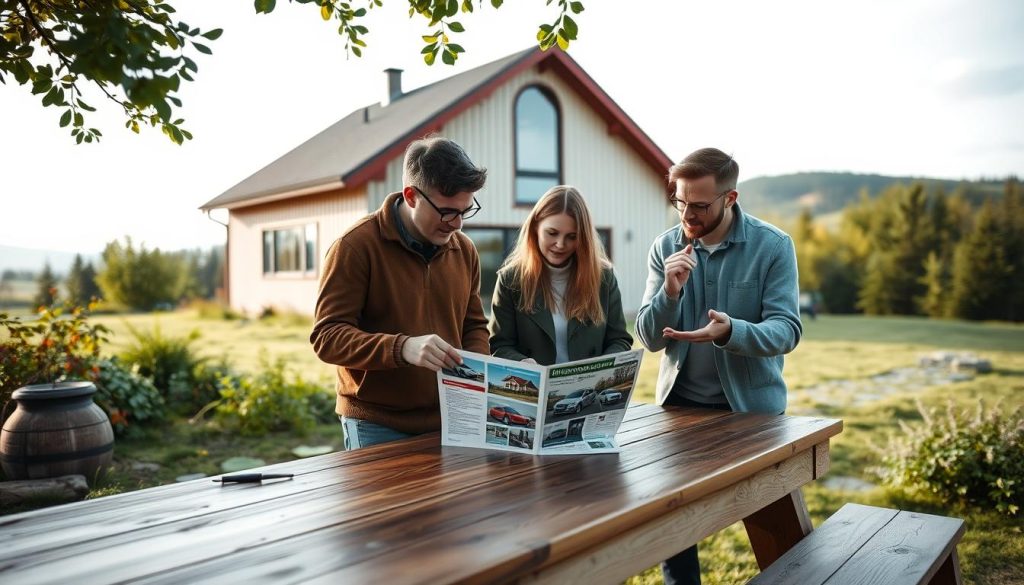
[57, 390]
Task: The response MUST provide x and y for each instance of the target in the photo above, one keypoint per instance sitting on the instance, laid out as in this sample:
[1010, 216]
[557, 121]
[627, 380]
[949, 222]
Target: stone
[310, 451]
[848, 484]
[234, 464]
[144, 466]
[189, 477]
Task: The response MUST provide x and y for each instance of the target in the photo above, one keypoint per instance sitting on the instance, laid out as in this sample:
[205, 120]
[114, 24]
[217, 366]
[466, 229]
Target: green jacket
[516, 335]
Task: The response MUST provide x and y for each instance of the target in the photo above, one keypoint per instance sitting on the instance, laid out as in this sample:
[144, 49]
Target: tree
[981, 270]
[81, 282]
[138, 54]
[139, 278]
[46, 293]
[934, 301]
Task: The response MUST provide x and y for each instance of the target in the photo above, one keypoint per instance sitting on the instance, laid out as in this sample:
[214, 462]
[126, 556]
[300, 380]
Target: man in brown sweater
[400, 291]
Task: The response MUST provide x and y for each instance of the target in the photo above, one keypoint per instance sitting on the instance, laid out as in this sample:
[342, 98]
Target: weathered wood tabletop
[416, 512]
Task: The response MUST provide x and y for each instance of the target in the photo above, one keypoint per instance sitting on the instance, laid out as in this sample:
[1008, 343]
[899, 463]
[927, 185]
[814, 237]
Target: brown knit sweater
[375, 292]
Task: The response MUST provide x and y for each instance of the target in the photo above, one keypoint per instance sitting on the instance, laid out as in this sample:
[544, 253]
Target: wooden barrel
[56, 430]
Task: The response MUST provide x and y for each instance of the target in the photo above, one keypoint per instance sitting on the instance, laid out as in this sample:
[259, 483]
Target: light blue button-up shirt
[753, 279]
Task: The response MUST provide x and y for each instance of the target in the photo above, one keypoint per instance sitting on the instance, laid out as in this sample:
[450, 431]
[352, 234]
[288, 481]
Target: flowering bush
[57, 344]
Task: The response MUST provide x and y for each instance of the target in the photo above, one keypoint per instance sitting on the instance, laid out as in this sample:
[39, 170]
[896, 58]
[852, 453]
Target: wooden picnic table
[416, 512]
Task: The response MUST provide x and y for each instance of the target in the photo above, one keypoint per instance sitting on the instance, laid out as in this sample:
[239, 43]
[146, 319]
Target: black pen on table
[253, 477]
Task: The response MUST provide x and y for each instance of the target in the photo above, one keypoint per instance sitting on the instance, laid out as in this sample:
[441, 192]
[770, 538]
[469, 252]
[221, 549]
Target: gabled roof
[357, 148]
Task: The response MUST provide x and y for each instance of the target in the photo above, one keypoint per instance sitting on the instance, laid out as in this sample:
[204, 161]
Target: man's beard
[704, 228]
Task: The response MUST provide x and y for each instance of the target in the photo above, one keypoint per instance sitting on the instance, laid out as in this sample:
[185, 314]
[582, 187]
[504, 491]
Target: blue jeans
[360, 433]
[684, 568]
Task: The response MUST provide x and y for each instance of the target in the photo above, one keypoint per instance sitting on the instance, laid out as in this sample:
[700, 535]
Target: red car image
[509, 416]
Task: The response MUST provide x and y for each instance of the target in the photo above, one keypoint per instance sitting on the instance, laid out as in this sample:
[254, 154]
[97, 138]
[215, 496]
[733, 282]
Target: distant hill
[825, 193]
[15, 258]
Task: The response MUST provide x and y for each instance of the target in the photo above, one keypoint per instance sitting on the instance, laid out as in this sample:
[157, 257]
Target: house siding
[625, 196]
[251, 290]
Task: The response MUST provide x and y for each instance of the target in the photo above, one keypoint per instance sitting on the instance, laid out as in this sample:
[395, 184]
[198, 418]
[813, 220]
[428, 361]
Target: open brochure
[569, 408]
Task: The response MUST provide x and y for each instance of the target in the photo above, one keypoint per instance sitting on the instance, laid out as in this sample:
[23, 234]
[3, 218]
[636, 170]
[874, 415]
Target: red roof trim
[619, 123]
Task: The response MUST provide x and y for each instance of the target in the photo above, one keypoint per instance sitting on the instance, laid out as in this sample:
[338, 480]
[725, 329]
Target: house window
[290, 250]
[494, 244]
[538, 145]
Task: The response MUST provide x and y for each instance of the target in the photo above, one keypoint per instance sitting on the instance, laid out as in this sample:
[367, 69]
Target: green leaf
[85, 106]
[429, 48]
[265, 6]
[41, 86]
[359, 13]
[214, 34]
[448, 57]
[570, 27]
[456, 27]
[576, 7]
[357, 51]
[496, 3]
[79, 120]
[429, 38]
[542, 34]
[65, 119]
[456, 48]
[563, 43]
[202, 48]
[429, 58]
[325, 12]
[467, 6]
[79, 138]
[50, 97]
[453, 8]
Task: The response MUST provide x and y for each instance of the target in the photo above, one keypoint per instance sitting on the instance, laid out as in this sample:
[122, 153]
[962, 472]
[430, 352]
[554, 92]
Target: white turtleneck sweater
[559, 284]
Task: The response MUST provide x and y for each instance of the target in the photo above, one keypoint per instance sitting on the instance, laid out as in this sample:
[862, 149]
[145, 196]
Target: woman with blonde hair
[557, 298]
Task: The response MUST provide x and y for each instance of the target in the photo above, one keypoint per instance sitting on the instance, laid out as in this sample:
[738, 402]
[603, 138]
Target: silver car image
[576, 401]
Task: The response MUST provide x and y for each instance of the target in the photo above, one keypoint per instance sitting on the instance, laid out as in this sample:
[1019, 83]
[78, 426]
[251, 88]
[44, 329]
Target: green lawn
[833, 348]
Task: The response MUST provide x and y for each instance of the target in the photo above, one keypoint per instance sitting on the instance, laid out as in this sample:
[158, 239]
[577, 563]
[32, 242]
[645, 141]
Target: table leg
[778, 526]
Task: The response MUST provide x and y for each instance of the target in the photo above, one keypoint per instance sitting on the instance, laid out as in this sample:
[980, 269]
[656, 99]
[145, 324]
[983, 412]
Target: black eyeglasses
[448, 214]
[698, 208]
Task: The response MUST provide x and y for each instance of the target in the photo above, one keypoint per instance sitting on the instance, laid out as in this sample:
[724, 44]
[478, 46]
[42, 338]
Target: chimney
[394, 86]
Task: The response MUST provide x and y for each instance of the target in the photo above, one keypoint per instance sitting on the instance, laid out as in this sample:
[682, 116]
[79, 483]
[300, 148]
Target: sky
[898, 87]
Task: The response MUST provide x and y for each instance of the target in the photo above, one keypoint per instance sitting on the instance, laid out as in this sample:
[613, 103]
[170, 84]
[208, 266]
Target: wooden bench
[868, 545]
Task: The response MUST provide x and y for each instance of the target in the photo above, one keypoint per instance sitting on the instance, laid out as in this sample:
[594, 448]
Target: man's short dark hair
[704, 162]
[439, 163]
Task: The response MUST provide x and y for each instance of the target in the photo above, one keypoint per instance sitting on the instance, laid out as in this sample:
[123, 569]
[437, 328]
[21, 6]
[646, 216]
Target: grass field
[833, 348]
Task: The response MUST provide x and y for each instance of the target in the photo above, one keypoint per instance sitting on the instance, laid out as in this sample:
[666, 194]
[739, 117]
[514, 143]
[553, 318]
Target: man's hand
[431, 352]
[677, 271]
[529, 361]
[718, 330]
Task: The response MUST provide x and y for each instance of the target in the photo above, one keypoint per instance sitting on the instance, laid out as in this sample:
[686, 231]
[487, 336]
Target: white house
[533, 119]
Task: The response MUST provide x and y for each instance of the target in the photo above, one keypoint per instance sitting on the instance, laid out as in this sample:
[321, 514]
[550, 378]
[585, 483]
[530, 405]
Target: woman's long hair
[527, 267]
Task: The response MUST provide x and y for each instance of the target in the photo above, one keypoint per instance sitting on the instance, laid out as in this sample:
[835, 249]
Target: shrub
[977, 459]
[214, 310]
[189, 392]
[273, 401]
[160, 358]
[60, 344]
[128, 397]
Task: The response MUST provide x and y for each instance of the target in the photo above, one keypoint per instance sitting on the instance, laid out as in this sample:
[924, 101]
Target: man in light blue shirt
[722, 300]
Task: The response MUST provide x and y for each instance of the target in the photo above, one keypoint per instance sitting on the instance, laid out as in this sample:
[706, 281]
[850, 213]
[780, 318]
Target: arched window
[538, 144]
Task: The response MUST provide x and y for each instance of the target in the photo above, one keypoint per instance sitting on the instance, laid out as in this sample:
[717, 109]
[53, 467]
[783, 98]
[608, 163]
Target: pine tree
[81, 282]
[934, 301]
[46, 293]
[1012, 218]
[90, 289]
[981, 271]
